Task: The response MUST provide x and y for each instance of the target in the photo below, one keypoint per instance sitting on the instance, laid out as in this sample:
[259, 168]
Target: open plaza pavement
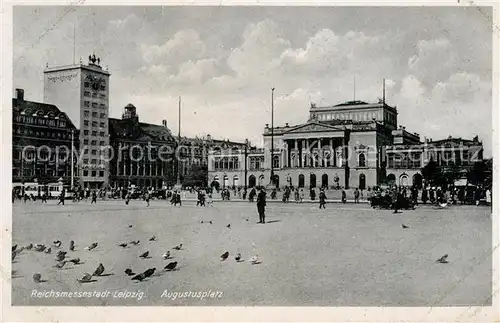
[346, 255]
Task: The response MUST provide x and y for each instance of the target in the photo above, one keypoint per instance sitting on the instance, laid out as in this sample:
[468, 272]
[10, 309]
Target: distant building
[82, 91]
[405, 161]
[143, 152]
[353, 144]
[43, 133]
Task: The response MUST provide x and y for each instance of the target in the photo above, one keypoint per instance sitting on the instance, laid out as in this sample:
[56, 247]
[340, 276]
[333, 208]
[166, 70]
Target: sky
[223, 62]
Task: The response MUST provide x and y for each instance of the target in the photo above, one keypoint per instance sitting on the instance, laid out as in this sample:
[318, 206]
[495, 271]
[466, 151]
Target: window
[101, 134]
[85, 172]
[86, 84]
[102, 124]
[94, 161]
[86, 113]
[94, 152]
[85, 132]
[102, 106]
[94, 123]
[94, 95]
[362, 160]
[94, 133]
[103, 88]
[86, 93]
[101, 143]
[85, 122]
[85, 141]
[276, 162]
[94, 105]
[103, 96]
[86, 104]
[94, 173]
[94, 142]
[86, 161]
[101, 173]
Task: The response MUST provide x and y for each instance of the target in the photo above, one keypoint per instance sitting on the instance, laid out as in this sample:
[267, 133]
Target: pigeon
[14, 247]
[75, 261]
[153, 238]
[99, 270]
[71, 245]
[405, 226]
[443, 259]
[60, 256]
[247, 219]
[57, 243]
[139, 277]
[135, 243]
[228, 226]
[148, 273]
[86, 278]
[39, 247]
[171, 266]
[224, 255]
[92, 246]
[179, 247]
[211, 222]
[166, 255]
[130, 226]
[123, 245]
[255, 260]
[60, 265]
[238, 257]
[144, 255]
[144, 275]
[129, 272]
[48, 250]
[201, 221]
[29, 247]
[37, 277]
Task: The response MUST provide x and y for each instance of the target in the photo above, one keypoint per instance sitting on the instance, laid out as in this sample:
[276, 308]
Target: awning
[462, 182]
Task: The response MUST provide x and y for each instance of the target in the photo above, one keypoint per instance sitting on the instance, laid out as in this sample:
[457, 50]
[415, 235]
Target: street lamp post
[271, 182]
[178, 182]
[246, 165]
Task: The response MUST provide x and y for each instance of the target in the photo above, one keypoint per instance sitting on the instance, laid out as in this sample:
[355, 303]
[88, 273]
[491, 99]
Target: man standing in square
[261, 206]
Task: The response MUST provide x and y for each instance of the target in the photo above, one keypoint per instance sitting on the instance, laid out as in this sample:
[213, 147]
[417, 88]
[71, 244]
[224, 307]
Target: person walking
[344, 196]
[94, 197]
[61, 197]
[395, 200]
[261, 206]
[147, 197]
[356, 196]
[301, 195]
[297, 196]
[44, 197]
[127, 198]
[322, 199]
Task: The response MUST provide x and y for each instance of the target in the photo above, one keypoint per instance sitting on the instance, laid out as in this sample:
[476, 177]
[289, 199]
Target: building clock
[95, 82]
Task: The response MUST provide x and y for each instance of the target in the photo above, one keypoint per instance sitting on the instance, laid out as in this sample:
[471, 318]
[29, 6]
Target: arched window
[276, 161]
[362, 182]
[362, 160]
[312, 180]
[301, 180]
[324, 181]
[251, 181]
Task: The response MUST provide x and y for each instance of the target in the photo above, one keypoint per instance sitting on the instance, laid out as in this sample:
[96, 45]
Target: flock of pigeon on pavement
[62, 258]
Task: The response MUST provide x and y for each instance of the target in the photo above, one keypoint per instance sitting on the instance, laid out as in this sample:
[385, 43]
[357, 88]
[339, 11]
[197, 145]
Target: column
[297, 157]
[320, 154]
[332, 152]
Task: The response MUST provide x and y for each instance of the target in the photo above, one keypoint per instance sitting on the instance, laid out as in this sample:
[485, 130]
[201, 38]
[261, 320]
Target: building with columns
[352, 145]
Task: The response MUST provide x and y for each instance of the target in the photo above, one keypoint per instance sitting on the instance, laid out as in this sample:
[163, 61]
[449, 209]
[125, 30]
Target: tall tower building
[82, 92]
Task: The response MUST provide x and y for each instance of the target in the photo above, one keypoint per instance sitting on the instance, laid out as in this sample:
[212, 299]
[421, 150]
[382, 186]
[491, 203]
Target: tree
[197, 176]
[432, 173]
[477, 174]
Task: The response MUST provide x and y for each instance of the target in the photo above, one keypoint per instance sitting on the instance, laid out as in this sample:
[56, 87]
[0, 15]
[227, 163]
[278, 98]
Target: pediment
[313, 127]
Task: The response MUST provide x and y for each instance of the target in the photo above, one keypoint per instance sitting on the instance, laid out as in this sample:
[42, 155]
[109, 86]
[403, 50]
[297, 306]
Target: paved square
[346, 255]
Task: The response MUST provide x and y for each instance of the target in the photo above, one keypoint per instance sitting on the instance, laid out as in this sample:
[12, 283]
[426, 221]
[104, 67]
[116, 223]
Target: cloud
[185, 44]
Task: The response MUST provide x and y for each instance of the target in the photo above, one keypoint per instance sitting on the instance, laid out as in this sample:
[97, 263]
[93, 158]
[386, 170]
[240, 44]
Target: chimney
[20, 95]
[164, 123]
[286, 124]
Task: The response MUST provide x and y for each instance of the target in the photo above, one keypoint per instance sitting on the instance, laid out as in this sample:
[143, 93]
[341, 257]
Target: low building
[405, 161]
[41, 143]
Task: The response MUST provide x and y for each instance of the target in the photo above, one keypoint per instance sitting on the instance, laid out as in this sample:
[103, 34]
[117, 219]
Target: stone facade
[83, 92]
